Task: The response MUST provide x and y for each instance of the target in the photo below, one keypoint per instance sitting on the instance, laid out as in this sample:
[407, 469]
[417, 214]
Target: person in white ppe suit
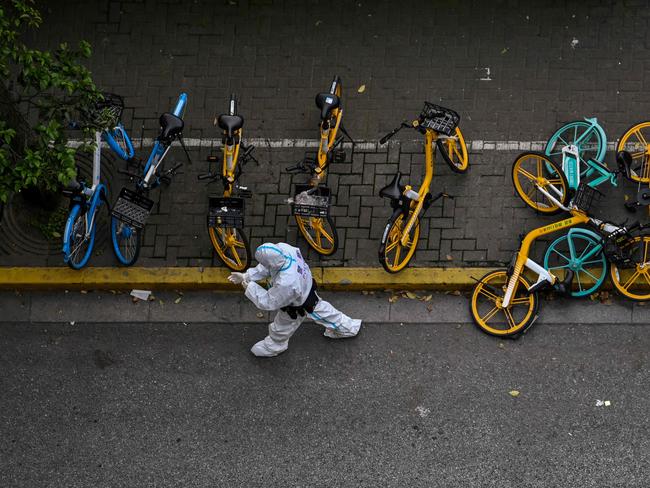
[292, 292]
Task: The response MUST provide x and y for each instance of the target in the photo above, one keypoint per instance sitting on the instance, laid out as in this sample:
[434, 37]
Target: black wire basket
[311, 202]
[442, 120]
[132, 208]
[226, 212]
[107, 112]
[585, 197]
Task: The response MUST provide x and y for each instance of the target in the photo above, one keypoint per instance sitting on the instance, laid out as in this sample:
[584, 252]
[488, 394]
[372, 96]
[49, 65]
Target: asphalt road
[400, 406]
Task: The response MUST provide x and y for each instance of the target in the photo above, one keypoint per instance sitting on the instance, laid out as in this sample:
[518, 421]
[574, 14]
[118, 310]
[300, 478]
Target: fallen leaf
[411, 295]
[456, 293]
[393, 298]
[429, 308]
[514, 393]
[501, 345]
[504, 50]
[83, 292]
[607, 403]
[161, 302]
[426, 298]
[364, 292]
[56, 234]
[259, 315]
[178, 300]
[626, 197]
[361, 89]
[450, 257]
[318, 22]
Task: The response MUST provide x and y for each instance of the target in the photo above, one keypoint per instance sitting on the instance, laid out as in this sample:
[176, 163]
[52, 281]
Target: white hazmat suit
[290, 283]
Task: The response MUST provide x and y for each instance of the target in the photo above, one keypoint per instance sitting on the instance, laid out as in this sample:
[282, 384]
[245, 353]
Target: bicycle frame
[328, 136]
[160, 149]
[430, 137]
[88, 202]
[571, 169]
[524, 261]
[577, 217]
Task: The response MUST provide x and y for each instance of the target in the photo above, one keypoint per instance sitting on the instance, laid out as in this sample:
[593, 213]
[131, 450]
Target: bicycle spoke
[577, 275]
[572, 248]
[647, 278]
[488, 294]
[509, 316]
[597, 261]
[520, 301]
[235, 255]
[588, 273]
[327, 236]
[490, 314]
[561, 255]
[640, 137]
[397, 253]
[631, 280]
[555, 182]
[527, 174]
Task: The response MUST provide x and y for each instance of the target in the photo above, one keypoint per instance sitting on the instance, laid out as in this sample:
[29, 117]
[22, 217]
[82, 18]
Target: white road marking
[474, 146]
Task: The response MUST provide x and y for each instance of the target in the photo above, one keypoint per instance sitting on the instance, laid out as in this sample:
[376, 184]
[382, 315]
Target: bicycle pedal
[564, 286]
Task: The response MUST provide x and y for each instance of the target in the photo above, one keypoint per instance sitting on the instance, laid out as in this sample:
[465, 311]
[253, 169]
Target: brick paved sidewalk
[547, 64]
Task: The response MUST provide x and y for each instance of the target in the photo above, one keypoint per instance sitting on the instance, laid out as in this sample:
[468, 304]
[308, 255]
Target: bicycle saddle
[624, 160]
[230, 123]
[171, 126]
[327, 102]
[393, 190]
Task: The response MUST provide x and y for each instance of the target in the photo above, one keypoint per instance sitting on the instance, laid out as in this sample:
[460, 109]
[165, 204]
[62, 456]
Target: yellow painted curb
[216, 278]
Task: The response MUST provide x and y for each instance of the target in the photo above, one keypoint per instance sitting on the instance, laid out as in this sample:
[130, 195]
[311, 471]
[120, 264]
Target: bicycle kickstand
[187, 154]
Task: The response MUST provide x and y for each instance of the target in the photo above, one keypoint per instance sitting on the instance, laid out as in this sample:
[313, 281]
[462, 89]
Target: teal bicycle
[581, 146]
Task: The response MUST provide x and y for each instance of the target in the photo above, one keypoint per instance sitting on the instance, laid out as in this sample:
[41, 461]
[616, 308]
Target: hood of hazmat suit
[287, 274]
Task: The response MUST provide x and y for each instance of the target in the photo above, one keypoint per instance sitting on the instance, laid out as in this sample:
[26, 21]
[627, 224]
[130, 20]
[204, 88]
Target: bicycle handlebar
[403, 125]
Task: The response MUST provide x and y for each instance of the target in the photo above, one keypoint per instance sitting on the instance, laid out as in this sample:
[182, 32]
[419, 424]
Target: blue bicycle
[132, 208]
[85, 200]
[130, 212]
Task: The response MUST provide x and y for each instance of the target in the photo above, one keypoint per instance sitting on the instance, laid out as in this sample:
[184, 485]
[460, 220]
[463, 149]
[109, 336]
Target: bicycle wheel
[532, 171]
[320, 233]
[126, 240]
[634, 282]
[592, 145]
[118, 140]
[232, 247]
[393, 256]
[79, 245]
[579, 250]
[635, 140]
[488, 313]
[454, 152]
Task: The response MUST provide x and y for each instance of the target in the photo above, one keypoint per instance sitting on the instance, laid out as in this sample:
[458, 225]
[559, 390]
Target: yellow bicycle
[400, 237]
[226, 212]
[505, 303]
[312, 201]
[634, 149]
